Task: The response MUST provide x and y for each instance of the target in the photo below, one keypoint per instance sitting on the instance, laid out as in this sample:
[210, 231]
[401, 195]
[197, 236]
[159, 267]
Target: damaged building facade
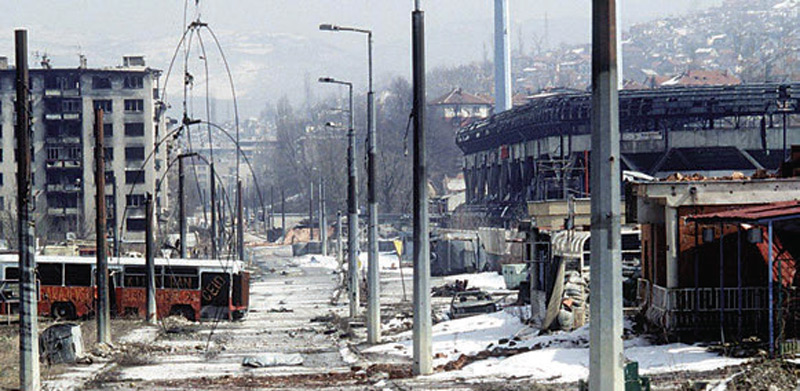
[62, 113]
[540, 151]
[718, 257]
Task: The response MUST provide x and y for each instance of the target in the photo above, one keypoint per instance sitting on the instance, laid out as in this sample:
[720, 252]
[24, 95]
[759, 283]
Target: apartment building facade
[62, 111]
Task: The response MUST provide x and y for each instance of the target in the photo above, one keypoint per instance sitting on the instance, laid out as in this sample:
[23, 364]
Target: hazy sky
[276, 44]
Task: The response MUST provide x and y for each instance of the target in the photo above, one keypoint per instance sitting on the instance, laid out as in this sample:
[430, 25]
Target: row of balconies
[62, 116]
[55, 92]
[60, 212]
[63, 187]
[63, 163]
[63, 140]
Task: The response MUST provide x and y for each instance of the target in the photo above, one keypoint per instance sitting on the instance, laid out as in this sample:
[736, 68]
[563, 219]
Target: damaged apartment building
[719, 257]
[62, 112]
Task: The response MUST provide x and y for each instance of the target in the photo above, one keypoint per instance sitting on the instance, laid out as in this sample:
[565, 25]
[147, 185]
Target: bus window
[181, 277]
[51, 274]
[12, 273]
[136, 277]
[77, 275]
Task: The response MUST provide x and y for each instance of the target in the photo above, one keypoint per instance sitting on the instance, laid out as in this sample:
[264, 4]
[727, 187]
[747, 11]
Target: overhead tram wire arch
[195, 28]
[199, 25]
[174, 133]
[188, 88]
[226, 197]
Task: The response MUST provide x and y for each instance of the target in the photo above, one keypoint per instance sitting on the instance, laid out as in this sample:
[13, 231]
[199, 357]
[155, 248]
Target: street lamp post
[352, 201]
[373, 270]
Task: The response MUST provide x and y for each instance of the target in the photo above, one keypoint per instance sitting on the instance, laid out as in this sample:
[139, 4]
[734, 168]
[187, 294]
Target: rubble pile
[451, 288]
[768, 376]
[735, 176]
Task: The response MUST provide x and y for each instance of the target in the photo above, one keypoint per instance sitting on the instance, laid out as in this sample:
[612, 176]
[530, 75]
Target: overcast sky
[279, 40]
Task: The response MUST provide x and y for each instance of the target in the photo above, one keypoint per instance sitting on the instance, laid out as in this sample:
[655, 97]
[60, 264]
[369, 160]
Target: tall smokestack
[620, 66]
[502, 58]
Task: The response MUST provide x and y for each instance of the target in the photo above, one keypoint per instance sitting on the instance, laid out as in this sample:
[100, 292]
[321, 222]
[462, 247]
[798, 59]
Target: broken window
[134, 153]
[181, 277]
[108, 154]
[134, 200]
[12, 273]
[134, 105]
[133, 82]
[135, 224]
[104, 104]
[134, 176]
[77, 275]
[108, 130]
[75, 153]
[134, 129]
[71, 106]
[100, 83]
[50, 274]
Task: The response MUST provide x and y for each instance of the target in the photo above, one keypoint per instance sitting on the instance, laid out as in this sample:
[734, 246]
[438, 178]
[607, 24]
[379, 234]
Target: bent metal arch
[175, 133]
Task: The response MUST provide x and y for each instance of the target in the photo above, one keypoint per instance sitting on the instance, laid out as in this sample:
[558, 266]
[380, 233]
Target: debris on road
[472, 302]
[273, 360]
[450, 289]
[768, 375]
[61, 343]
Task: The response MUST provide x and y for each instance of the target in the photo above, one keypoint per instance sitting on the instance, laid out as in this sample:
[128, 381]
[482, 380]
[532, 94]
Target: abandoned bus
[193, 288]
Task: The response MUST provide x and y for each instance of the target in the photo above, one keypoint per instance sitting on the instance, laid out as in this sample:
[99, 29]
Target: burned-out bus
[192, 288]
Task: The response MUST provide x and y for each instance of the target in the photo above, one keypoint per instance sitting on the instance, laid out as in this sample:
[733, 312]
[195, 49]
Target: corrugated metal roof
[784, 209]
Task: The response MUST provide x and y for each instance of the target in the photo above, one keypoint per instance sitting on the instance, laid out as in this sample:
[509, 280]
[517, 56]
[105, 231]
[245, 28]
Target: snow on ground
[388, 261]
[316, 260]
[565, 365]
[558, 357]
[453, 338]
[487, 280]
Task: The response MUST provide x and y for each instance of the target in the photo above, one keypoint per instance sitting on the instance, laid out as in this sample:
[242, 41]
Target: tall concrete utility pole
[212, 177]
[239, 220]
[352, 197]
[422, 328]
[28, 328]
[605, 333]
[502, 58]
[103, 302]
[373, 266]
[272, 208]
[352, 212]
[182, 206]
[373, 275]
[339, 249]
[283, 213]
[116, 219]
[620, 64]
[311, 211]
[323, 222]
[150, 260]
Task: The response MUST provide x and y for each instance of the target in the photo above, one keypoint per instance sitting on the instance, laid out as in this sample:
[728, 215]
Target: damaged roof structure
[718, 258]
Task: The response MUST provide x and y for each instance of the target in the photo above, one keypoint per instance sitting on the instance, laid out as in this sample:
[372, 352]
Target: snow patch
[453, 338]
[486, 280]
[316, 260]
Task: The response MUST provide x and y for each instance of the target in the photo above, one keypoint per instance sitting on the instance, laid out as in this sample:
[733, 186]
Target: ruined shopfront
[707, 248]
